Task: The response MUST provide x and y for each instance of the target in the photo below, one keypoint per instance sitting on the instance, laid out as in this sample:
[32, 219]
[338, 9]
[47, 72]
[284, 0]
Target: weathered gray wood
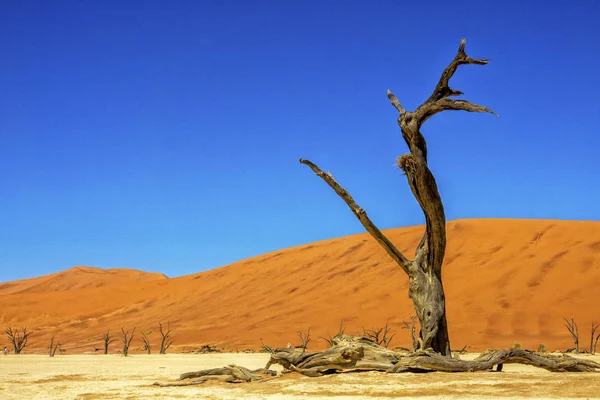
[356, 353]
[425, 271]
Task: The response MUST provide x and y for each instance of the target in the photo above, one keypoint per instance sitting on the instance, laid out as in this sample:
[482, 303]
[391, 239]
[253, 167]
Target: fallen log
[232, 374]
[356, 353]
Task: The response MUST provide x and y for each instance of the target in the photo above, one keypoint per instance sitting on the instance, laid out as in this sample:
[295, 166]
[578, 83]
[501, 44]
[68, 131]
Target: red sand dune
[78, 277]
[506, 281]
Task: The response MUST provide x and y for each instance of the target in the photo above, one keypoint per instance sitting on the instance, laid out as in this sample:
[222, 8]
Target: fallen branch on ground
[232, 374]
[356, 353]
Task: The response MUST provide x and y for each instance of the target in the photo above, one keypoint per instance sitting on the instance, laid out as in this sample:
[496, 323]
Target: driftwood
[357, 353]
[232, 374]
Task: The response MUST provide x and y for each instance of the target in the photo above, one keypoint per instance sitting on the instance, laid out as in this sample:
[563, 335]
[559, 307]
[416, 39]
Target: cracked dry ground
[116, 377]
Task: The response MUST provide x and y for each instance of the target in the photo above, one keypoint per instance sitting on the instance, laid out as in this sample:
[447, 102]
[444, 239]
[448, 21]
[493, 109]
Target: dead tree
[165, 341]
[18, 339]
[412, 330]
[126, 339]
[574, 331]
[329, 338]
[107, 340]
[379, 335]
[146, 341]
[594, 341]
[357, 353]
[425, 271]
[52, 348]
[304, 339]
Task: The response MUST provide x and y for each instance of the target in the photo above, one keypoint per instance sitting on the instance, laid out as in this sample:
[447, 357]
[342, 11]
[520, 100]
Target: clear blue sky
[165, 135]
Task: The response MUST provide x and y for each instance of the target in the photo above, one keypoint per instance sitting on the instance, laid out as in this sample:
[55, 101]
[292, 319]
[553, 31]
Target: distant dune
[506, 281]
[78, 278]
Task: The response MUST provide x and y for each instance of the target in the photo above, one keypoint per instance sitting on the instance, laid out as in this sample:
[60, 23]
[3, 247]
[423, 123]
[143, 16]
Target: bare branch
[126, 339]
[442, 89]
[107, 338]
[395, 102]
[18, 339]
[574, 331]
[438, 101]
[165, 342]
[304, 339]
[146, 341]
[424, 113]
[392, 250]
[411, 327]
[53, 347]
[340, 332]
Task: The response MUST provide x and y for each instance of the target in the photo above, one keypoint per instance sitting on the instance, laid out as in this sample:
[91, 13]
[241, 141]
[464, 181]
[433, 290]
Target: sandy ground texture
[505, 281]
[116, 377]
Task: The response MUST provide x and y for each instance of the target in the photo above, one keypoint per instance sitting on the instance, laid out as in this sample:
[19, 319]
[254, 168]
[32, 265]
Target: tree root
[355, 353]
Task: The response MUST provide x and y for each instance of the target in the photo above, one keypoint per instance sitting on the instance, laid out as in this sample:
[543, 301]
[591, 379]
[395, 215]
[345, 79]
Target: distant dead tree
[329, 338]
[594, 341]
[412, 329]
[146, 340]
[126, 339]
[165, 341]
[571, 325]
[379, 335]
[304, 339]
[18, 339]
[425, 271]
[107, 338]
[52, 347]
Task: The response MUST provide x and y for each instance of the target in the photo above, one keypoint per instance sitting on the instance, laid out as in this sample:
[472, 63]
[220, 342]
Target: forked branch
[146, 342]
[392, 250]
[165, 341]
[442, 89]
[126, 339]
[571, 325]
[18, 339]
[53, 347]
[329, 339]
[304, 339]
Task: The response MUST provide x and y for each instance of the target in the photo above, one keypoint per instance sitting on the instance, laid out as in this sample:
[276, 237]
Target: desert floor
[117, 377]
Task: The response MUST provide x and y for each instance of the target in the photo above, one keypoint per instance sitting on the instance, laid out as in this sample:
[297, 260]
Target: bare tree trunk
[592, 346]
[571, 325]
[166, 341]
[146, 340]
[52, 347]
[425, 271]
[126, 339]
[107, 340]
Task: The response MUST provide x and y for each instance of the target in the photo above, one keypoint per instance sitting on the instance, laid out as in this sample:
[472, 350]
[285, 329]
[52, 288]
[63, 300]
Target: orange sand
[506, 281]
